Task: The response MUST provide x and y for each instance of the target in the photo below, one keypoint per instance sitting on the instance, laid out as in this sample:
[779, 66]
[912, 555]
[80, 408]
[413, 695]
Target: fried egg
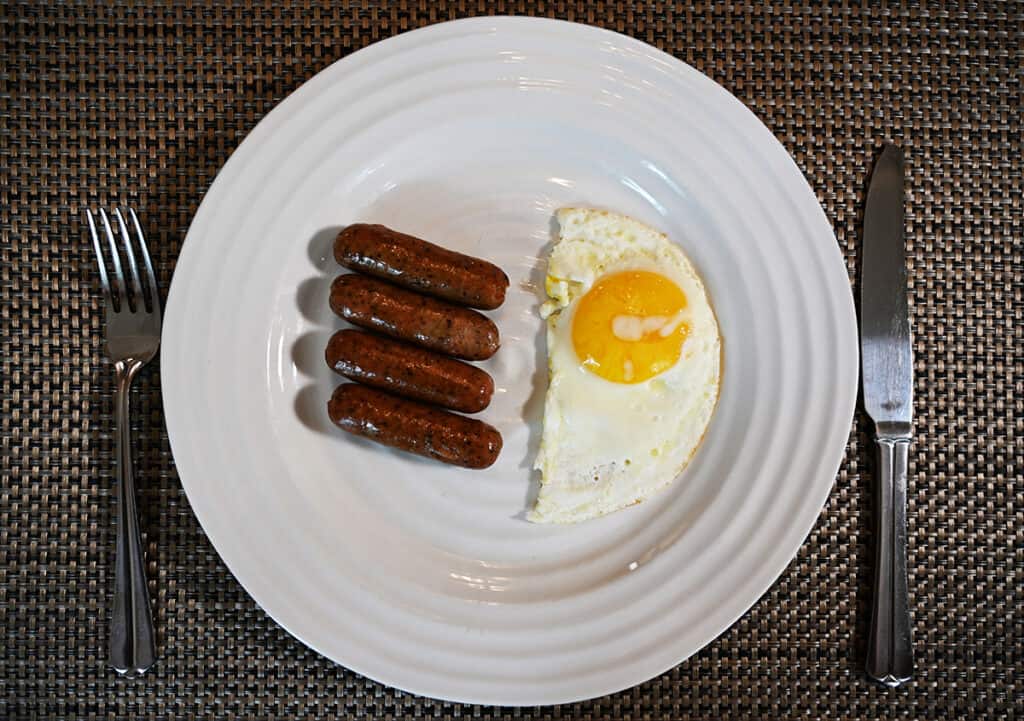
[634, 358]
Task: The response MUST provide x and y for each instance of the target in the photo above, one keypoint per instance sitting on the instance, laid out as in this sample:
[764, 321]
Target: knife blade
[885, 328]
[888, 379]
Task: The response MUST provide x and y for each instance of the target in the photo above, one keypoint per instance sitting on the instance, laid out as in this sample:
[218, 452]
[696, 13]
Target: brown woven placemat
[144, 104]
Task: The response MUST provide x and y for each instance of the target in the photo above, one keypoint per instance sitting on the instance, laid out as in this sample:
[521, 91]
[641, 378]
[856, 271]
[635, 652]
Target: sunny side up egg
[634, 357]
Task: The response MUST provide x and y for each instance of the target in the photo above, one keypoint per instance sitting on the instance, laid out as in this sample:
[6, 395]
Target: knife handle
[890, 658]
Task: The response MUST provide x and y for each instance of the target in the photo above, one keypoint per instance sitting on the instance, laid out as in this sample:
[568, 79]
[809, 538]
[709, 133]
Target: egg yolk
[630, 326]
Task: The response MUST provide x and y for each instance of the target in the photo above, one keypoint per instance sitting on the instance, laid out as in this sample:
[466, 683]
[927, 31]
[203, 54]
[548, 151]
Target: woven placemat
[143, 105]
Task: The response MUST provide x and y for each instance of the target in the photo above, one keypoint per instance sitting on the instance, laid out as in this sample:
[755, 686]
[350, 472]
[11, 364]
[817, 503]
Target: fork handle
[890, 658]
[132, 641]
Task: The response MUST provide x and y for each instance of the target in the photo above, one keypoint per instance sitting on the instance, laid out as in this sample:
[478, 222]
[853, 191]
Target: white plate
[426, 577]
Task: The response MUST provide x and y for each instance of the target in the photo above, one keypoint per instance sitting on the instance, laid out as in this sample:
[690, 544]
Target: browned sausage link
[421, 266]
[409, 371]
[414, 427]
[403, 314]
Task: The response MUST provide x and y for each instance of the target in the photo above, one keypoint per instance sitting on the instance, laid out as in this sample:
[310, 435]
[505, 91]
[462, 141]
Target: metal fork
[132, 337]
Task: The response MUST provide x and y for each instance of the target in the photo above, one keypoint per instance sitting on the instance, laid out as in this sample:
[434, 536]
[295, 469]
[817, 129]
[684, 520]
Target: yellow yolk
[630, 326]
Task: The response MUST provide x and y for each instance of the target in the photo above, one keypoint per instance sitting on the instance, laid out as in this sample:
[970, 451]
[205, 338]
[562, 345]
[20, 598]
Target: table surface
[101, 105]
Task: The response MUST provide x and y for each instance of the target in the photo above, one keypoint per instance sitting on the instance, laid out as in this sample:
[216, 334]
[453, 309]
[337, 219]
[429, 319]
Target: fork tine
[121, 293]
[99, 255]
[140, 302]
[154, 294]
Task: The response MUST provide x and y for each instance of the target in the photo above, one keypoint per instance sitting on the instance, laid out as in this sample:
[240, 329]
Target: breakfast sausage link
[403, 314]
[414, 427]
[409, 371]
[421, 266]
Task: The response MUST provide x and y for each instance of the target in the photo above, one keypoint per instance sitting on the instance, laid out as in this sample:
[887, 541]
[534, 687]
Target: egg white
[608, 445]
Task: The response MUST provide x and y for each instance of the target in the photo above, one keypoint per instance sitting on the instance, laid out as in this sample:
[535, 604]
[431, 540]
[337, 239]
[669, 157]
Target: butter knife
[888, 378]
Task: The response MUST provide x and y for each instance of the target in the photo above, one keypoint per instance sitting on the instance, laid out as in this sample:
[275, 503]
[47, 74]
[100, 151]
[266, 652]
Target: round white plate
[424, 576]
